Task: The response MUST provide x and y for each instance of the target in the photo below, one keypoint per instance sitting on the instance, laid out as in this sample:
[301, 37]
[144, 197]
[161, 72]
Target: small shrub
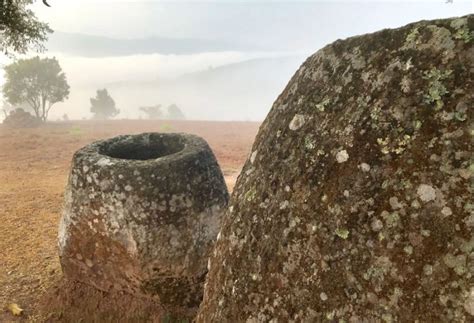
[19, 118]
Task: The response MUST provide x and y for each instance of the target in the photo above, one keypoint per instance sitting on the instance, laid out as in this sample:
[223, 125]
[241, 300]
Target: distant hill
[98, 46]
[240, 91]
[255, 69]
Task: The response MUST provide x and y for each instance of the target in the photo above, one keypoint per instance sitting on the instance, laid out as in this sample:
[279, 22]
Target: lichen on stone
[297, 122]
[373, 153]
[462, 30]
[141, 213]
[436, 89]
[323, 104]
[342, 156]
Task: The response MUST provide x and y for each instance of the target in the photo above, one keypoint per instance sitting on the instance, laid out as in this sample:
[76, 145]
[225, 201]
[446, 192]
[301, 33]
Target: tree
[37, 82]
[103, 106]
[175, 113]
[152, 112]
[20, 30]
[6, 108]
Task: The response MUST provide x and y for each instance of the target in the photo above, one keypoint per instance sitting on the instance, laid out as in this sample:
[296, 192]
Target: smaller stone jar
[141, 215]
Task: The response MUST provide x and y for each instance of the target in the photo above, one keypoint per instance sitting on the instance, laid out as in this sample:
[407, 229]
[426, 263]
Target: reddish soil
[34, 165]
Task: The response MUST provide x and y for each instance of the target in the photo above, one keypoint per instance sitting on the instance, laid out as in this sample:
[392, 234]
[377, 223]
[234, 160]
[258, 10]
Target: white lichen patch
[446, 211]
[284, 205]
[297, 122]
[457, 263]
[364, 167]
[465, 173]
[376, 225]
[342, 156]
[408, 250]
[394, 203]
[323, 296]
[426, 193]
[469, 303]
[428, 270]
[253, 156]
[104, 162]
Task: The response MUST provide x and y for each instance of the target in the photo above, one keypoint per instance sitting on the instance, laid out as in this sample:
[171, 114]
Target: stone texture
[339, 214]
[141, 214]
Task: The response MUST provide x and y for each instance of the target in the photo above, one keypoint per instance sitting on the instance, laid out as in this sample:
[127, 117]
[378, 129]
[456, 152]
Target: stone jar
[356, 203]
[141, 215]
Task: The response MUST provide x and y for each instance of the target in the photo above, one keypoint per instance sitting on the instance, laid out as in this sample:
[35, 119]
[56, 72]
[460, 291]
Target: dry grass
[34, 164]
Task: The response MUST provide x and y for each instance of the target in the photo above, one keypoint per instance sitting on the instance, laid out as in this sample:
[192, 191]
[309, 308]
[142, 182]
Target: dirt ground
[34, 165]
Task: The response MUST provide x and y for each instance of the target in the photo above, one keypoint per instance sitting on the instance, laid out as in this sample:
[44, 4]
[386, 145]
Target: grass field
[34, 165]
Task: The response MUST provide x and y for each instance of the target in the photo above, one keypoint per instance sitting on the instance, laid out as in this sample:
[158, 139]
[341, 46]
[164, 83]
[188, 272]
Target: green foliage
[175, 113]
[103, 106]
[152, 112]
[20, 30]
[436, 88]
[37, 82]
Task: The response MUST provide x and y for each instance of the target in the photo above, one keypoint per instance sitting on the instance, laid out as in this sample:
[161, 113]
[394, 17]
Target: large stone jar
[141, 214]
[356, 204]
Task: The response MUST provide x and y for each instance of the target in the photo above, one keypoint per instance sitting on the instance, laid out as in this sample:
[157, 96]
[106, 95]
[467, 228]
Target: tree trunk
[44, 114]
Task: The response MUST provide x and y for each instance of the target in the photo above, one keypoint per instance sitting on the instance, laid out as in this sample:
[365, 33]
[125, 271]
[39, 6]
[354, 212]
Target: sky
[220, 18]
[240, 30]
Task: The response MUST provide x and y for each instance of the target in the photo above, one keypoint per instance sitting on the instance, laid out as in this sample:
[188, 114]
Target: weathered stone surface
[141, 213]
[356, 204]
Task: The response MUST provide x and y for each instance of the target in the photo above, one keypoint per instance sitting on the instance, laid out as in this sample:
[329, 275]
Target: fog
[217, 60]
